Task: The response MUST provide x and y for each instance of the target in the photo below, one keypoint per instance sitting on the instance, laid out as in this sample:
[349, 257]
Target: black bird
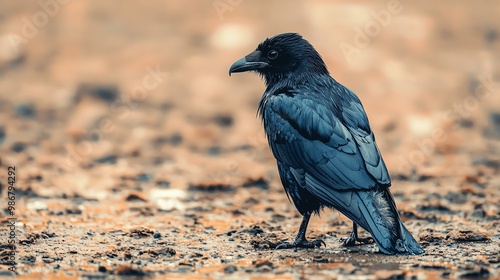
[326, 153]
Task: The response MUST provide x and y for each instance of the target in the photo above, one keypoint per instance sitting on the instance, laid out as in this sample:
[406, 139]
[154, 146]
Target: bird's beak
[247, 63]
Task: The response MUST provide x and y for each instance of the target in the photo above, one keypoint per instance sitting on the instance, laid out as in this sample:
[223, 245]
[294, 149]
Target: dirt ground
[136, 155]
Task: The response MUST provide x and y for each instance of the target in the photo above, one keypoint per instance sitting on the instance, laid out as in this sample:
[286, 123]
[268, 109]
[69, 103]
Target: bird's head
[281, 55]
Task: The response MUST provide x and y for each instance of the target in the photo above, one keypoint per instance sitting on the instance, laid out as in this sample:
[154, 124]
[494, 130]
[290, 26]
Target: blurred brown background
[99, 99]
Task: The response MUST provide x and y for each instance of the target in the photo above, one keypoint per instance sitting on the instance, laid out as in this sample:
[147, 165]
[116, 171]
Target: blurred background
[99, 99]
[145, 85]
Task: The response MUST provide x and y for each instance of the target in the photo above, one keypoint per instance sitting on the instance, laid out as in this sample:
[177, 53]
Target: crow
[326, 153]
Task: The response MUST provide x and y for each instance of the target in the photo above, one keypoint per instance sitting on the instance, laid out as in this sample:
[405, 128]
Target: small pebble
[230, 269]
[26, 111]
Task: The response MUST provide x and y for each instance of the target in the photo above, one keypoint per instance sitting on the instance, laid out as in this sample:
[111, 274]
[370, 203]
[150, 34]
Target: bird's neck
[294, 79]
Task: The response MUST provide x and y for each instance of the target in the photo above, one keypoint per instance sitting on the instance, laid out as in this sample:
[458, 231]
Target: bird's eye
[272, 54]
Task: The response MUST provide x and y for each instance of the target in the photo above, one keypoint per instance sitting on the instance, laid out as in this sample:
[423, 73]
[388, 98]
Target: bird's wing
[356, 121]
[321, 151]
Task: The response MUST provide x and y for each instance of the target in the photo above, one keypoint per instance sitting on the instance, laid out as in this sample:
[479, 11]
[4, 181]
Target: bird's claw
[301, 244]
[352, 239]
[367, 240]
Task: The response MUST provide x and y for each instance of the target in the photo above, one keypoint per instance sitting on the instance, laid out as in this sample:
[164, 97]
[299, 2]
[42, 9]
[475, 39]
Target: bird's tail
[376, 212]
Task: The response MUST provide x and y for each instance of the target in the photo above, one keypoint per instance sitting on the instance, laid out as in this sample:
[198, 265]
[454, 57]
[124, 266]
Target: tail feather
[385, 225]
[411, 244]
[376, 212]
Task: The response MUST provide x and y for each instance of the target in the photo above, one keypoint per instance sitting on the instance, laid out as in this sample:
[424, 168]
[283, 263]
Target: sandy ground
[137, 155]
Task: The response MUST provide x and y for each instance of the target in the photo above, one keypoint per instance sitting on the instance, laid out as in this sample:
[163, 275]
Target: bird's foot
[352, 239]
[301, 244]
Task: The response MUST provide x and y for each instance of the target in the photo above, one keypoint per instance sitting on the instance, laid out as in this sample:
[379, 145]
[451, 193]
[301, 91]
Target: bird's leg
[353, 237]
[300, 240]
